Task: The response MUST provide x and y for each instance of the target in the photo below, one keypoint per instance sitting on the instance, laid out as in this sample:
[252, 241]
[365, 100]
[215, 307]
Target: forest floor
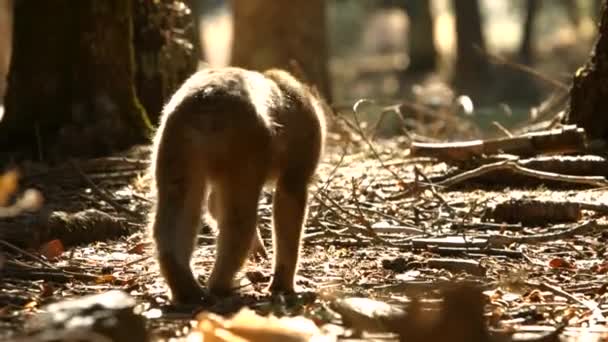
[377, 229]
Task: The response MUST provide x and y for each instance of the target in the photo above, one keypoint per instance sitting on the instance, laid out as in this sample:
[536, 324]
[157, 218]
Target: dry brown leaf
[561, 263]
[247, 326]
[8, 185]
[137, 249]
[104, 279]
[52, 249]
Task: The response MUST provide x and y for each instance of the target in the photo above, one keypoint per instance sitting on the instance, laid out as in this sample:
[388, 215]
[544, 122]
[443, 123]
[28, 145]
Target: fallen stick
[515, 167]
[497, 241]
[562, 140]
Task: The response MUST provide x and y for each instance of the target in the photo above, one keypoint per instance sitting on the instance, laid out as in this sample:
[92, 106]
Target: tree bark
[278, 34]
[471, 67]
[167, 49]
[71, 86]
[589, 94]
[6, 26]
[423, 55]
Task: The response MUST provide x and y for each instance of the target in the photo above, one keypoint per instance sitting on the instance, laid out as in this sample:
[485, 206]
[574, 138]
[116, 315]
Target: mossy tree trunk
[71, 82]
[589, 92]
[276, 34]
[167, 49]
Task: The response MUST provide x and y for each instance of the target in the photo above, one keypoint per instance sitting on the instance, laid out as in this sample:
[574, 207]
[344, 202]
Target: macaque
[224, 135]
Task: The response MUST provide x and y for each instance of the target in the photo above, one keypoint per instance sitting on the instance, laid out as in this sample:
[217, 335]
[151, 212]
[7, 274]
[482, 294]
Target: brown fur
[224, 135]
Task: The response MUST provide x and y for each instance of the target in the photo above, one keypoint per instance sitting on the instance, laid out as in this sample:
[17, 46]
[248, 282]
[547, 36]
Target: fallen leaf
[137, 249]
[248, 326]
[560, 263]
[46, 290]
[8, 185]
[52, 249]
[31, 305]
[106, 278]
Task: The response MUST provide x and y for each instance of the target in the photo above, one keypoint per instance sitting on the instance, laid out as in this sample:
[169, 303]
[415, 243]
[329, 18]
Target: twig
[501, 240]
[369, 143]
[361, 216]
[27, 254]
[337, 209]
[136, 261]
[51, 272]
[592, 306]
[431, 186]
[379, 213]
[502, 128]
[513, 166]
[526, 69]
[325, 185]
[106, 197]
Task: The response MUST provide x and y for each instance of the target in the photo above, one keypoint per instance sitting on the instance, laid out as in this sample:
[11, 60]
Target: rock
[109, 315]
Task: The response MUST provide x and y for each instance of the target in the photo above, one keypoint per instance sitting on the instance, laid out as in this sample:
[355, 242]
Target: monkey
[225, 135]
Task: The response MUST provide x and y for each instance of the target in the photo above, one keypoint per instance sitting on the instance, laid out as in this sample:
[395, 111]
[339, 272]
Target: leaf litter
[388, 253]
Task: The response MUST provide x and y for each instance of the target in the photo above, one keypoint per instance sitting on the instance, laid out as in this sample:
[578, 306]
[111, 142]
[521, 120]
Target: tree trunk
[278, 34]
[471, 66]
[71, 88]
[526, 51]
[589, 94]
[167, 50]
[6, 26]
[423, 55]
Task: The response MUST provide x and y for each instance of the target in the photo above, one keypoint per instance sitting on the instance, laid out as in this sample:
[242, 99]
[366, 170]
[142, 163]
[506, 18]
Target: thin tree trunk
[526, 50]
[277, 35]
[422, 51]
[471, 66]
[71, 85]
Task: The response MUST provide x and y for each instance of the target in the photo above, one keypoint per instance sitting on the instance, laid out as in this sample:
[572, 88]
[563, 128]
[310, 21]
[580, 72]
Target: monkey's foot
[189, 295]
[277, 287]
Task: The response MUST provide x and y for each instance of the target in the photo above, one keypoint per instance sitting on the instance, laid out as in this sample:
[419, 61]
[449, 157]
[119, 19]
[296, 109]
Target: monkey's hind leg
[289, 211]
[237, 203]
[180, 190]
[257, 249]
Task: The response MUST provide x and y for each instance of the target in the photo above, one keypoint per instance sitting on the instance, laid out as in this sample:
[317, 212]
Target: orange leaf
[137, 249]
[8, 185]
[560, 263]
[601, 268]
[52, 249]
[31, 305]
[535, 297]
[47, 290]
[106, 278]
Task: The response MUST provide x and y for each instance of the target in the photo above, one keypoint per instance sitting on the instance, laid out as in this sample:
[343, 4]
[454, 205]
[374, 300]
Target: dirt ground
[366, 236]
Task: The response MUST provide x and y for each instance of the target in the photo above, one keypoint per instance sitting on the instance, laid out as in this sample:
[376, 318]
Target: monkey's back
[234, 118]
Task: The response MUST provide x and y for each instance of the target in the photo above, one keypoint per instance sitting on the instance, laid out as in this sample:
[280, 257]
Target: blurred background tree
[71, 87]
[166, 42]
[389, 50]
[471, 69]
[279, 35]
[589, 94]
